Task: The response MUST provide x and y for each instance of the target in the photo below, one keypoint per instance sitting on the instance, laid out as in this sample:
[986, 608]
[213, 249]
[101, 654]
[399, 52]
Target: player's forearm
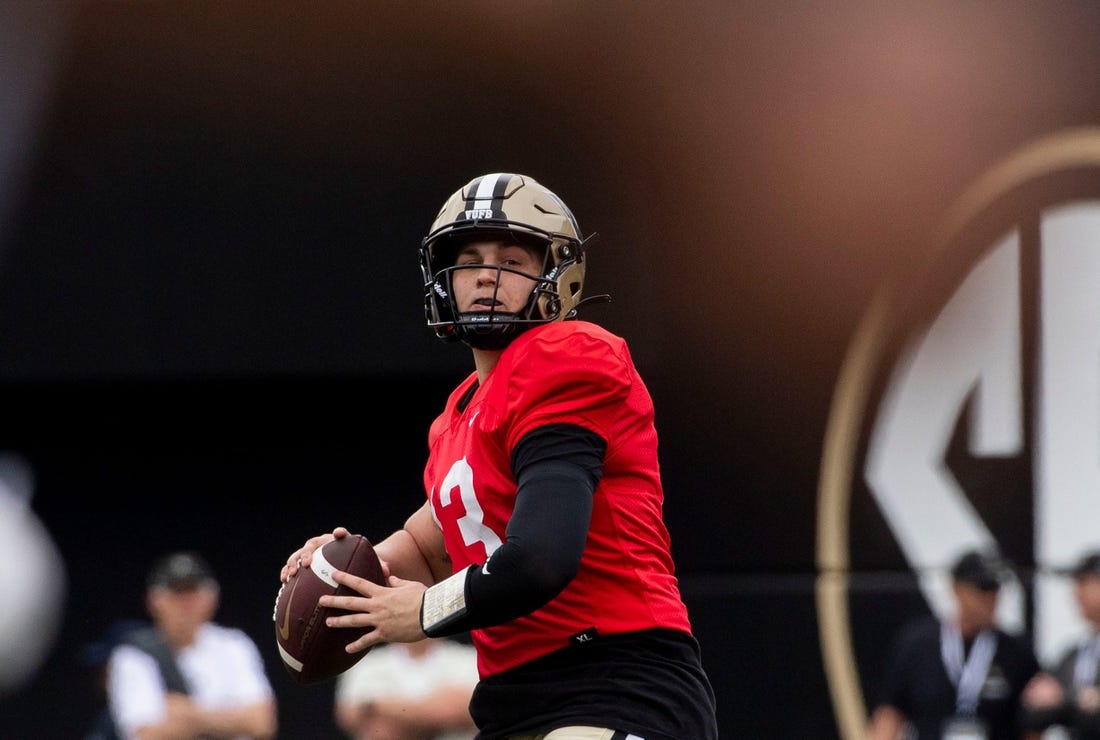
[348, 715]
[255, 720]
[167, 730]
[444, 709]
[180, 720]
[416, 552]
[452, 706]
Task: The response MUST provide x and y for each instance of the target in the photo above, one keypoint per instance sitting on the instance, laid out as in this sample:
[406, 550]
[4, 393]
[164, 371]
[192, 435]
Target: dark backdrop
[211, 329]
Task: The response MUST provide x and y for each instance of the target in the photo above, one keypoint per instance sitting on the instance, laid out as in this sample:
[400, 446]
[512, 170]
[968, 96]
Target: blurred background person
[186, 676]
[1068, 695]
[29, 624]
[409, 691]
[94, 657]
[959, 677]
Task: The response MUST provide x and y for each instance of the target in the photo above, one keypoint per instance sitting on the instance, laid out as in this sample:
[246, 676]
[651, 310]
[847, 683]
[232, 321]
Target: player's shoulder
[129, 653]
[219, 635]
[576, 329]
[918, 632]
[568, 352]
[570, 339]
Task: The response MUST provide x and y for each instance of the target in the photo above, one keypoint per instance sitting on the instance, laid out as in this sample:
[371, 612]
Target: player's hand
[1088, 700]
[181, 717]
[303, 556]
[1042, 691]
[393, 611]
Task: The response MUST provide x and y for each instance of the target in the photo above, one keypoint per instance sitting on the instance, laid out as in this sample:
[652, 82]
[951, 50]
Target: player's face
[977, 606]
[1087, 590]
[180, 612]
[484, 287]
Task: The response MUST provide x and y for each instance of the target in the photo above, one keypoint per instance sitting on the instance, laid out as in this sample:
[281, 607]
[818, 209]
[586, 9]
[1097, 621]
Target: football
[310, 650]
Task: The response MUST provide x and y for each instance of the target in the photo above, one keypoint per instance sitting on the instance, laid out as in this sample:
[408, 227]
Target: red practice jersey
[571, 372]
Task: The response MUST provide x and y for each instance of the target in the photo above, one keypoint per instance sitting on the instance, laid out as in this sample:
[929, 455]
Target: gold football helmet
[519, 209]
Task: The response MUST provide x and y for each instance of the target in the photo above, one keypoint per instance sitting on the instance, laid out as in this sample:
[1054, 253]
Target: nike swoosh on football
[284, 628]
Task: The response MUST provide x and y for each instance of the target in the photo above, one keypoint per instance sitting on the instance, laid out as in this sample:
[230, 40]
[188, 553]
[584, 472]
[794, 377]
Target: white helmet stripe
[486, 190]
[485, 196]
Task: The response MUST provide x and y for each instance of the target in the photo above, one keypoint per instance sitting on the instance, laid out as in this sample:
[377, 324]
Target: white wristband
[444, 603]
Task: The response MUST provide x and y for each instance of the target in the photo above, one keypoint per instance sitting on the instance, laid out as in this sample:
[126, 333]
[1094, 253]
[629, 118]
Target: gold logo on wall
[1036, 202]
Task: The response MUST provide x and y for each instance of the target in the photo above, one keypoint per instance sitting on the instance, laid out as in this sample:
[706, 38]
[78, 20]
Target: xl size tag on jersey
[965, 728]
[582, 638]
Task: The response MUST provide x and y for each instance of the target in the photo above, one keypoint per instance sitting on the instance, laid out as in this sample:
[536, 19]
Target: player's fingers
[366, 641]
[290, 568]
[362, 585]
[356, 604]
[303, 556]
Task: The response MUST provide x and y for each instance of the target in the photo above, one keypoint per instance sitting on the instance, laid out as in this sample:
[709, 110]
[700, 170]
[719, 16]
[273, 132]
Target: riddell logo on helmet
[967, 410]
[477, 213]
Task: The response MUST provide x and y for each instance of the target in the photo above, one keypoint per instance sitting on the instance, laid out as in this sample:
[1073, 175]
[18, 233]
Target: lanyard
[967, 676]
[1084, 670]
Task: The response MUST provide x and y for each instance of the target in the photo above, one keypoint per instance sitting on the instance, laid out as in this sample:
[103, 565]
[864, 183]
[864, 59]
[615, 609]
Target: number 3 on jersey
[471, 524]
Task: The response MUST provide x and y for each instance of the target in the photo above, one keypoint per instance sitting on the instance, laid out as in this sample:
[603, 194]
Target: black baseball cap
[1088, 565]
[982, 569]
[181, 570]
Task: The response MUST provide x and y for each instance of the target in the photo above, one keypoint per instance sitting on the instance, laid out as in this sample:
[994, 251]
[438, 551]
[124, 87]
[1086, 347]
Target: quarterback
[541, 533]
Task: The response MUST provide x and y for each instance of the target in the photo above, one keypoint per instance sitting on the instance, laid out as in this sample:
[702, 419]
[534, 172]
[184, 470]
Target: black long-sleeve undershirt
[557, 468]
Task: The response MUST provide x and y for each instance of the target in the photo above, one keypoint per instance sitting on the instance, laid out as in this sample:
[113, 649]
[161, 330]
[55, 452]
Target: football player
[542, 531]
